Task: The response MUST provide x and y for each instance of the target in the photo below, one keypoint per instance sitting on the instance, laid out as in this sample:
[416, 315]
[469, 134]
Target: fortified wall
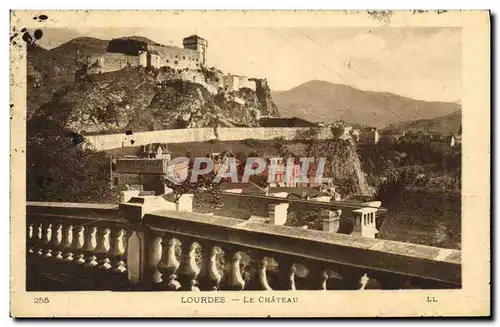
[190, 75]
[169, 56]
[236, 82]
[188, 62]
[114, 141]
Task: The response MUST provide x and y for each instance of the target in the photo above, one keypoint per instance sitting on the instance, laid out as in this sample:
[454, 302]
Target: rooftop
[284, 122]
[193, 38]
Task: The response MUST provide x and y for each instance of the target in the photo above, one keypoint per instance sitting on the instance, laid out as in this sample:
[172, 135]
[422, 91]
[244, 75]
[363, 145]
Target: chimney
[278, 213]
[185, 203]
[330, 220]
[364, 222]
[125, 196]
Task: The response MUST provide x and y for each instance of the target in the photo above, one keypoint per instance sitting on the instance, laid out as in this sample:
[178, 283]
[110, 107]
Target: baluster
[37, 237]
[188, 269]
[76, 243]
[323, 279]
[286, 274]
[41, 236]
[155, 255]
[45, 239]
[209, 275]
[352, 278]
[30, 236]
[263, 283]
[89, 245]
[318, 277]
[369, 283]
[232, 271]
[117, 249]
[168, 263]
[67, 237]
[103, 248]
[136, 256]
[55, 240]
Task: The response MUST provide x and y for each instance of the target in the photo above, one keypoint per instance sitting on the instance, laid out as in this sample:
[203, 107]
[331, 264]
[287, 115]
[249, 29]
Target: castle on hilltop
[188, 63]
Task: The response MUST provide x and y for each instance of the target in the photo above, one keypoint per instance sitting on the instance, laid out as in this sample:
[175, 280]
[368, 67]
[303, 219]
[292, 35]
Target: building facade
[149, 169]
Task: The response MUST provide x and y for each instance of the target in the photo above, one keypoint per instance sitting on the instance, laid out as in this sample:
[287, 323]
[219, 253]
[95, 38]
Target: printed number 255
[41, 300]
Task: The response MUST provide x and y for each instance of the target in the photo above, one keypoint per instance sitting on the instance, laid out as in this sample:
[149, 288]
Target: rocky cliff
[344, 166]
[136, 98]
[50, 70]
[265, 98]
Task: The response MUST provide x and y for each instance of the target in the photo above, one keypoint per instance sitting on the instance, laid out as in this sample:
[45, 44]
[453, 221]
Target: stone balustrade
[77, 239]
[97, 247]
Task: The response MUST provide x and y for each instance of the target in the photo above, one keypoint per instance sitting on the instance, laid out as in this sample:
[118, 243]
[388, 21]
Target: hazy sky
[422, 63]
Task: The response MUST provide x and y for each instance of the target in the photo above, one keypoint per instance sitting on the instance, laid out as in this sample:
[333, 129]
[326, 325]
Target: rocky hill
[448, 124]
[50, 70]
[134, 98]
[325, 101]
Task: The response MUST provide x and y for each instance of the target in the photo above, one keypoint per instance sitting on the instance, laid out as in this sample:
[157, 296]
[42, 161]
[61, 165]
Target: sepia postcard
[250, 163]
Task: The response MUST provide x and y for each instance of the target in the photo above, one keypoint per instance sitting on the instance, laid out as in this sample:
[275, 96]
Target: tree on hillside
[281, 146]
[310, 136]
[203, 185]
[396, 182]
[60, 169]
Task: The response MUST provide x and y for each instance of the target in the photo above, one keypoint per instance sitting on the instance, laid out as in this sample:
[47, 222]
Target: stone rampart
[114, 141]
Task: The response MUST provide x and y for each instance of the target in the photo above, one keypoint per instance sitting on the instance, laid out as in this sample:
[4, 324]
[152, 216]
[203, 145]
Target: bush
[60, 169]
[252, 143]
[396, 182]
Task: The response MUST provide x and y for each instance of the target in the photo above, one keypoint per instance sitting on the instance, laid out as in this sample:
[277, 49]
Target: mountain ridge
[328, 102]
[446, 125]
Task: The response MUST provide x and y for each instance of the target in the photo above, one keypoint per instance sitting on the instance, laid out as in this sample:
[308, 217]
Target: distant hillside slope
[139, 38]
[448, 124]
[50, 70]
[426, 217]
[325, 101]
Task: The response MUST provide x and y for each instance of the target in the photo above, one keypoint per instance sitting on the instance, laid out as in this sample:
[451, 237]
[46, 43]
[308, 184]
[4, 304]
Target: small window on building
[176, 62]
[183, 57]
[168, 61]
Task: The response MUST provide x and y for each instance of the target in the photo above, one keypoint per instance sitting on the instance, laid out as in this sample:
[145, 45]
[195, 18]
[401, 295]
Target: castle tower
[194, 42]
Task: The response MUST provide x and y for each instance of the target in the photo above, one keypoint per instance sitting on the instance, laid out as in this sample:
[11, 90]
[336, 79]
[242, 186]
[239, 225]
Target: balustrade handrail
[394, 257]
[89, 211]
[332, 204]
